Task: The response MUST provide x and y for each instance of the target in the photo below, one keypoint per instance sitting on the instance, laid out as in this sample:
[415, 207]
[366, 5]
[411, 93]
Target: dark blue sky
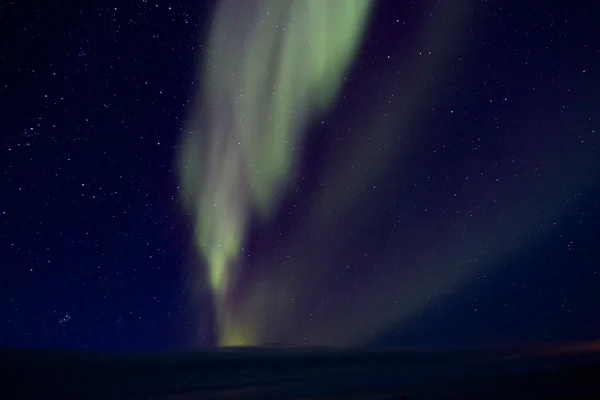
[95, 250]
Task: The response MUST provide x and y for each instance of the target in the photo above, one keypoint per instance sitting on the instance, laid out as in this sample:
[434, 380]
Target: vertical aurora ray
[270, 67]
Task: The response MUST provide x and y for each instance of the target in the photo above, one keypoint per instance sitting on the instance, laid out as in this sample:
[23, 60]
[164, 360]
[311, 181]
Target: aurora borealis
[272, 66]
[186, 174]
[271, 70]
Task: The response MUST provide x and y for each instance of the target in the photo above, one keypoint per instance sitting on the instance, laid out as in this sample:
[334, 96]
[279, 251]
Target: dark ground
[282, 373]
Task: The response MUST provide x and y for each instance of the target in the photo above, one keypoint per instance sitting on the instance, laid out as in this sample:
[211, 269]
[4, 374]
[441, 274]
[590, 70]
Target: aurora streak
[271, 66]
[270, 71]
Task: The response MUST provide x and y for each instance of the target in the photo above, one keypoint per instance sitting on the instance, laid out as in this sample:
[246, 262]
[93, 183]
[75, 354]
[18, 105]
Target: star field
[448, 197]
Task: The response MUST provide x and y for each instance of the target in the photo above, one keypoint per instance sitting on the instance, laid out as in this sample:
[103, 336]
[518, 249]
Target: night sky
[445, 194]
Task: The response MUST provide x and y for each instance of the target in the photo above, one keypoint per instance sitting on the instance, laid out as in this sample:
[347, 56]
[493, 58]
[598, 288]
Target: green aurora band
[271, 66]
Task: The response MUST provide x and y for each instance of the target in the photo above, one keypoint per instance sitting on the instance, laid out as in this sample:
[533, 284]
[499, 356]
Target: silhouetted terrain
[296, 373]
